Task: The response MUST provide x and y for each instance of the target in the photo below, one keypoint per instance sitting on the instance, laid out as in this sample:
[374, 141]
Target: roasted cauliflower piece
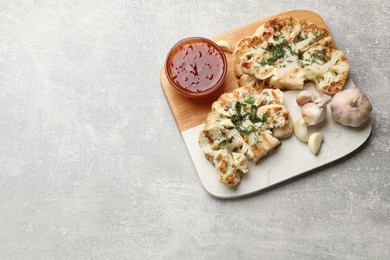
[242, 125]
[285, 52]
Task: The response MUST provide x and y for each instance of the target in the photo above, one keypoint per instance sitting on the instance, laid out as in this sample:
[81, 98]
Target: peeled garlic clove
[351, 107]
[225, 46]
[315, 141]
[300, 130]
[306, 96]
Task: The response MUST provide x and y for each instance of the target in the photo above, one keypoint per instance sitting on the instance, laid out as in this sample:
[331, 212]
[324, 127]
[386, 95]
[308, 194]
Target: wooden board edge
[163, 77]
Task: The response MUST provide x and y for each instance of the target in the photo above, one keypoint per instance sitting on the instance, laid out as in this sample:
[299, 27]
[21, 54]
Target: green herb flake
[238, 117]
[320, 56]
[253, 117]
[300, 63]
[264, 118]
[247, 130]
[298, 38]
[225, 142]
[250, 100]
[263, 62]
[254, 145]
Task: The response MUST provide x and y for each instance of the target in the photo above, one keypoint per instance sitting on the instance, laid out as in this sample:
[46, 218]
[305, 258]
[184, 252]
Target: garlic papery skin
[314, 113]
[351, 107]
[306, 96]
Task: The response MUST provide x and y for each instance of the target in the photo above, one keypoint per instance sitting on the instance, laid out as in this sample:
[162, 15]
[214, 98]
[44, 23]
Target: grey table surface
[93, 166]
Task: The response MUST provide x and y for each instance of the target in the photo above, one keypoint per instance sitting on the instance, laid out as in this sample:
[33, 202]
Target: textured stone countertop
[93, 166]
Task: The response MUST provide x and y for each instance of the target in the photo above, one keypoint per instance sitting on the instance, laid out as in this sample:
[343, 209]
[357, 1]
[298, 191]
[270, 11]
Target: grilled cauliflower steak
[242, 125]
[285, 52]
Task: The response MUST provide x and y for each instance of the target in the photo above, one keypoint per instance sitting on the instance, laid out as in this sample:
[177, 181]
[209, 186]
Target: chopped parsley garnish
[226, 141]
[250, 100]
[264, 118]
[254, 145]
[263, 62]
[237, 118]
[298, 38]
[320, 56]
[317, 34]
[253, 117]
[247, 130]
[277, 51]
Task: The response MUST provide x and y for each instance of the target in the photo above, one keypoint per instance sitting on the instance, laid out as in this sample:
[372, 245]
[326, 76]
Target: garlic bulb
[314, 113]
[351, 107]
[306, 96]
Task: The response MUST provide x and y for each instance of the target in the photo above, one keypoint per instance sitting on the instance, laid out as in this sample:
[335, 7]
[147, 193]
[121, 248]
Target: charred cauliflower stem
[285, 52]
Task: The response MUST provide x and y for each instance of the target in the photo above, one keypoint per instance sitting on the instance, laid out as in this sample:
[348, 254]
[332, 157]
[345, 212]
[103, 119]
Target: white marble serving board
[290, 159]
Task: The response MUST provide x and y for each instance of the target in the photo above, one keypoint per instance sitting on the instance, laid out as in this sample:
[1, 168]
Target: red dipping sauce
[196, 66]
